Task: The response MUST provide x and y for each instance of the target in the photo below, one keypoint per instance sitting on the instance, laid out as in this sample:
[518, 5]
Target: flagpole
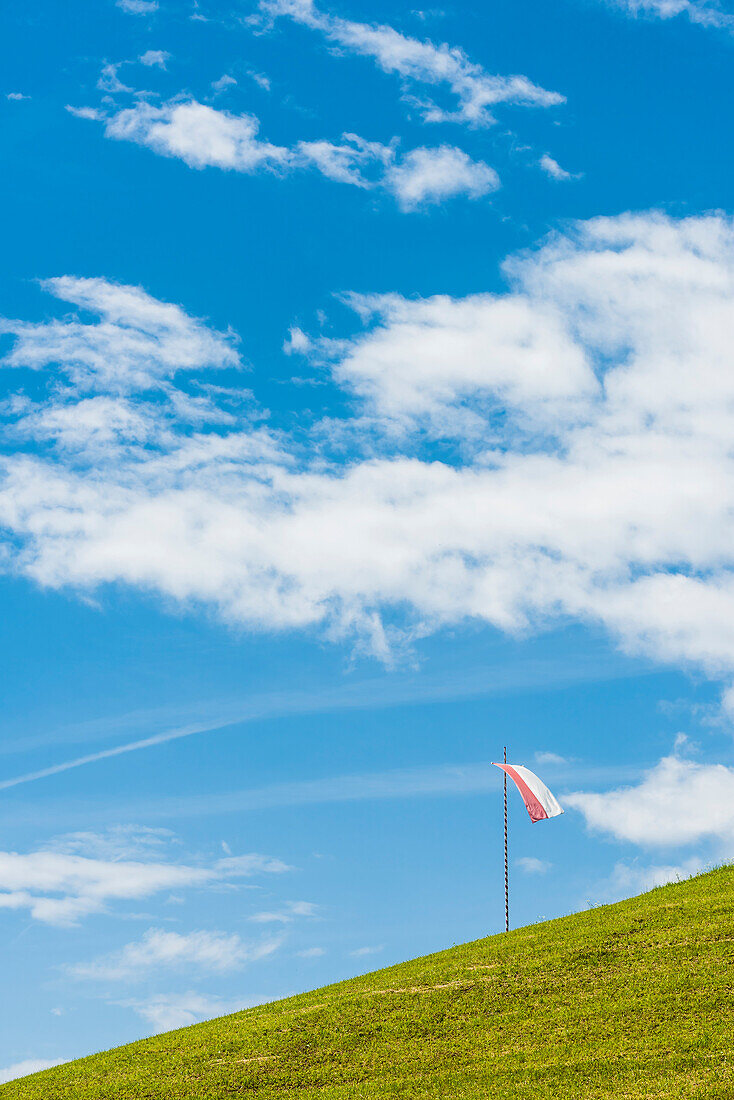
[507, 879]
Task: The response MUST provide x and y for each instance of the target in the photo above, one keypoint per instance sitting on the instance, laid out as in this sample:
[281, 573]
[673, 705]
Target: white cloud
[16, 95]
[199, 135]
[91, 114]
[707, 14]
[94, 423]
[167, 1011]
[31, 1065]
[432, 175]
[155, 58]
[214, 952]
[106, 754]
[420, 62]
[429, 357]
[137, 343]
[119, 842]
[531, 865]
[678, 802]
[290, 912]
[629, 878]
[57, 885]
[225, 81]
[360, 952]
[110, 82]
[138, 7]
[204, 136]
[260, 79]
[344, 163]
[592, 405]
[553, 169]
[311, 953]
[550, 758]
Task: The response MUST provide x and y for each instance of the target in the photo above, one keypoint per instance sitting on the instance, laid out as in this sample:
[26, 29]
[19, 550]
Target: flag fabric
[539, 801]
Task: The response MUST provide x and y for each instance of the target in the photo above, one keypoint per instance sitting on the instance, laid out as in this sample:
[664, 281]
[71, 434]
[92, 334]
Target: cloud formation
[706, 13]
[138, 7]
[166, 1011]
[136, 344]
[212, 952]
[24, 1069]
[420, 62]
[291, 911]
[678, 802]
[431, 175]
[553, 169]
[591, 405]
[155, 58]
[61, 884]
[207, 137]
[199, 135]
[631, 877]
[531, 865]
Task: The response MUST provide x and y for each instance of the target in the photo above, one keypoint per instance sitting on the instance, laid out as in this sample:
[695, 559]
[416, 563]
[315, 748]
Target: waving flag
[539, 801]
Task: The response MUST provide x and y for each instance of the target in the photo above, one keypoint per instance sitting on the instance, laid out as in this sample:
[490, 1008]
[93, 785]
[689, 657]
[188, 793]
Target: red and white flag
[539, 801]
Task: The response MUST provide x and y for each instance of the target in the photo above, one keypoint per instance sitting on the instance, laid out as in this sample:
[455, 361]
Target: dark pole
[507, 878]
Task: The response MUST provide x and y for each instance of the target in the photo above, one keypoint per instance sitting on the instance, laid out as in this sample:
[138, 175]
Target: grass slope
[629, 1000]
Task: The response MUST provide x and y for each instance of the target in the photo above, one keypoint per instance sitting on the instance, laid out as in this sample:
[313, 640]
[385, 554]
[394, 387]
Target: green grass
[629, 1000]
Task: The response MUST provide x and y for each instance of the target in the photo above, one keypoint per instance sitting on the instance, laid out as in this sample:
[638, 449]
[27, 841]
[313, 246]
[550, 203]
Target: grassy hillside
[631, 1000]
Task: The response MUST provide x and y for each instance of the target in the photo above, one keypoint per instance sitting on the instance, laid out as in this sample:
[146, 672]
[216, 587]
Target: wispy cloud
[434, 781]
[420, 62]
[137, 342]
[166, 1011]
[631, 877]
[120, 842]
[706, 13]
[24, 1069]
[260, 79]
[207, 137]
[291, 911]
[144, 743]
[388, 544]
[138, 7]
[550, 758]
[91, 114]
[110, 82]
[447, 779]
[107, 754]
[155, 58]
[361, 952]
[552, 168]
[225, 81]
[531, 865]
[524, 675]
[212, 952]
[60, 884]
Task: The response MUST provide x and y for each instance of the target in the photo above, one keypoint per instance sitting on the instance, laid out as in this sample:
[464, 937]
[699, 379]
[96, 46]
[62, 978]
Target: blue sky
[366, 406]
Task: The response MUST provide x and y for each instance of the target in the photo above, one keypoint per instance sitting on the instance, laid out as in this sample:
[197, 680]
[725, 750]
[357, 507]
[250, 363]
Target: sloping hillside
[631, 1000]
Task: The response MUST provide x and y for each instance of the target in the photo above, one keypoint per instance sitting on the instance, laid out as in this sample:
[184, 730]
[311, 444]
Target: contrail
[131, 746]
[529, 675]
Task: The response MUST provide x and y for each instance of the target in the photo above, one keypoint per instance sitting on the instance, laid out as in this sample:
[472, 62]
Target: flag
[539, 801]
